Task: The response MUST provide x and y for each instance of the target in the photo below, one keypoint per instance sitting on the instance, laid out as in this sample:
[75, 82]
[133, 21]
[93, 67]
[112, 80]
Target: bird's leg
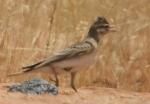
[72, 81]
[51, 79]
[56, 77]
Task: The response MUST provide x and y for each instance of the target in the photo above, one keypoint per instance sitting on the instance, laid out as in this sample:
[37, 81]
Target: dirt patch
[90, 95]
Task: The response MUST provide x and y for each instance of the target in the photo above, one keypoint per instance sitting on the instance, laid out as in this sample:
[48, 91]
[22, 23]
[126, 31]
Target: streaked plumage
[75, 57]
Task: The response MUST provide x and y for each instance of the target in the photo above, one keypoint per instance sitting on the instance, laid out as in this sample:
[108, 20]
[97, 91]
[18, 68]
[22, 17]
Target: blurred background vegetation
[33, 29]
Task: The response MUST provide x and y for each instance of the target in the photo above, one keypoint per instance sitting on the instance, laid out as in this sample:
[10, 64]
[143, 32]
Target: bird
[75, 57]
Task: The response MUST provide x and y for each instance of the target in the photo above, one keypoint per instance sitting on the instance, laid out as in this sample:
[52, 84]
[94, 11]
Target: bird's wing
[75, 50]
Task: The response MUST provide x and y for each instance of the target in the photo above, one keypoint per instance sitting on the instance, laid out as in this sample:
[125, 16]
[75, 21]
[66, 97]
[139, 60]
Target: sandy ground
[90, 95]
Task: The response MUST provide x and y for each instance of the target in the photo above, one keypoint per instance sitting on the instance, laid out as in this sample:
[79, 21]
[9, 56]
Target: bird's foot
[74, 88]
[67, 91]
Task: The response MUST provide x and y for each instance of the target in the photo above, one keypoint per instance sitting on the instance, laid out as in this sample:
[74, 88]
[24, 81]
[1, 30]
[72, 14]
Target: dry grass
[30, 30]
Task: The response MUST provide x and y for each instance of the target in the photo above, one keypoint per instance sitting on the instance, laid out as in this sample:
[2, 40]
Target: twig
[51, 21]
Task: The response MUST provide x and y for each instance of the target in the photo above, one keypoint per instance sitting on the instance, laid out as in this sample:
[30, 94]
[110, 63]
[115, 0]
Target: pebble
[34, 86]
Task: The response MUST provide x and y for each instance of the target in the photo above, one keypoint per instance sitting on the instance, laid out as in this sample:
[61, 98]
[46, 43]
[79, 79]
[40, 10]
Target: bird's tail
[31, 67]
[26, 69]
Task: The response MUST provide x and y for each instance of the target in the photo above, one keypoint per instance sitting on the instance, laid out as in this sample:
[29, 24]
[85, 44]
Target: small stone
[35, 86]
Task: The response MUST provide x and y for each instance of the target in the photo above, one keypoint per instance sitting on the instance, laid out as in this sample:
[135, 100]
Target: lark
[76, 57]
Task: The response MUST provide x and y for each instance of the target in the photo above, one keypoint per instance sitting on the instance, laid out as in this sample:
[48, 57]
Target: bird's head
[100, 27]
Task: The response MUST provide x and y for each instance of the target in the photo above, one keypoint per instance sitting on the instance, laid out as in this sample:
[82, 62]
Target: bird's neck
[93, 34]
[91, 41]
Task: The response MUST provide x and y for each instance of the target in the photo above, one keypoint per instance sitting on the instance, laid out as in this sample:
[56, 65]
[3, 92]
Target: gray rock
[35, 86]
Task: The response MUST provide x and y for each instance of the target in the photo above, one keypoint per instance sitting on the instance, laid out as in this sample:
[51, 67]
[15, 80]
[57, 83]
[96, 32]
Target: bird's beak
[112, 28]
